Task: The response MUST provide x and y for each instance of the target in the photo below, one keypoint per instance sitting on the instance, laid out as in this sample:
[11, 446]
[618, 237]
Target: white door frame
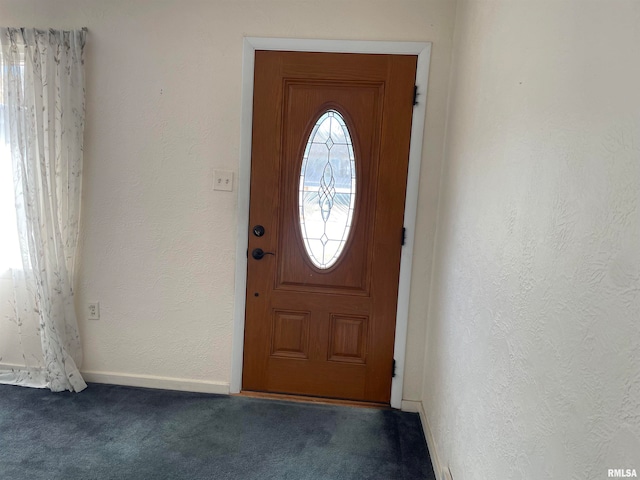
[251, 44]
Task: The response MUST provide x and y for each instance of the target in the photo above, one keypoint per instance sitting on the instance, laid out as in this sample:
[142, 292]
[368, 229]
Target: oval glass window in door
[327, 191]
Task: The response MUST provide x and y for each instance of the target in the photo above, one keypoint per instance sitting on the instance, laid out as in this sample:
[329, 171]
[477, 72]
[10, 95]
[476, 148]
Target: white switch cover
[223, 180]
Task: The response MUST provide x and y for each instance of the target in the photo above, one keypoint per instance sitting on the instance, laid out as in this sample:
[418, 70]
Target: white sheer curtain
[42, 125]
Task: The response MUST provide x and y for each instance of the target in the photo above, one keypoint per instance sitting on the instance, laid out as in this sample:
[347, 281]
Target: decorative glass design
[327, 192]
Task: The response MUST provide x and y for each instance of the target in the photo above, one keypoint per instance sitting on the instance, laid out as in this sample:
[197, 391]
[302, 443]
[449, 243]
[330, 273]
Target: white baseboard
[417, 407]
[412, 406]
[438, 467]
[150, 381]
[11, 366]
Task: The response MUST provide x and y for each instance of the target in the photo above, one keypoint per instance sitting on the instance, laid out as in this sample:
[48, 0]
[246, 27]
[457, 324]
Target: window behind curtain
[9, 247]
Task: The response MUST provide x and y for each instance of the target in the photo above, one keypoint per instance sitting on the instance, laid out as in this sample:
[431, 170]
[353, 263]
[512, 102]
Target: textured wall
[163, 111]
[533, 344]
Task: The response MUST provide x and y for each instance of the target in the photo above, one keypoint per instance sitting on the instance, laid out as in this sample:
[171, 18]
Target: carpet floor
[114, 432]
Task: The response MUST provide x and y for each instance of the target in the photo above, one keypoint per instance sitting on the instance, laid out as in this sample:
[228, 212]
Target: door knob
[258, 230]
[259, 254]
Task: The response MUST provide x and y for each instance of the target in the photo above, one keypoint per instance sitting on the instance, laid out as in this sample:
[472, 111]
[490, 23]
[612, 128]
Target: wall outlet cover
[223, 180]
[93, 311]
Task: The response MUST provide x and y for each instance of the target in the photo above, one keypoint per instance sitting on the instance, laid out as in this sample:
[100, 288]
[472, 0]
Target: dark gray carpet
[112, 432]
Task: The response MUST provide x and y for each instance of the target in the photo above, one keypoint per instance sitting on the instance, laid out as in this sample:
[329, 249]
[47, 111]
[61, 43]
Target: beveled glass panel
[327, 191]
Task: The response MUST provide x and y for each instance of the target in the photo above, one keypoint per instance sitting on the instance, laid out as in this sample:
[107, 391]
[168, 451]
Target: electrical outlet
[93, 311]
[223, 180]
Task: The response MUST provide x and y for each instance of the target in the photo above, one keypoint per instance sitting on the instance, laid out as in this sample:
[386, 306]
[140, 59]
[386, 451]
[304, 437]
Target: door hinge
[415, 95]
[393, 372]
[404, 236]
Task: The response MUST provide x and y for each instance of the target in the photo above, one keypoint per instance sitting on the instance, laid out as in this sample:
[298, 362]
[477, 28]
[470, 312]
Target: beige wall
[532, 368]
[163, 111]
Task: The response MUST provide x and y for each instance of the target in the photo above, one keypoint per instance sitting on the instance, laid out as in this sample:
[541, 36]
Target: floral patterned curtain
[42, 125]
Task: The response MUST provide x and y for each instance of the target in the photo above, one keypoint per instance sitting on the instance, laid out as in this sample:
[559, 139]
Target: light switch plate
[223, 180]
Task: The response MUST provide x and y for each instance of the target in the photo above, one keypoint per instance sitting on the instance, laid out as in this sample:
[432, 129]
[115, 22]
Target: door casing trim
[251, 44]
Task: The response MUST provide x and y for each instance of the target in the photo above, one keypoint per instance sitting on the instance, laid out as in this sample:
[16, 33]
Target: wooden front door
[329, 161]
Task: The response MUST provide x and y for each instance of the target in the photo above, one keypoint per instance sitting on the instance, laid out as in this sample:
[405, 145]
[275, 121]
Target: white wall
[163, 111]
[532, 369]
